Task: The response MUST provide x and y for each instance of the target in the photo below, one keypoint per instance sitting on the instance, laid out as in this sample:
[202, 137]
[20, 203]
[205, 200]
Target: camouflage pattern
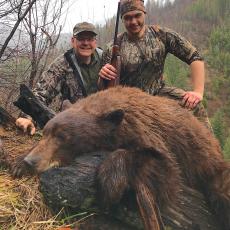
[59, 79]
[130, 5]
[84, 27]
[143, 62]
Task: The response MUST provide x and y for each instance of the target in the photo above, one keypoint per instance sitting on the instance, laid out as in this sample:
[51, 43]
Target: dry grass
[21, 204]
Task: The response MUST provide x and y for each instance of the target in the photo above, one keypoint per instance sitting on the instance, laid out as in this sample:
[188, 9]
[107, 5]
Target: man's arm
[192, 98]
[50, 84]
[185, 51]
[46, 89]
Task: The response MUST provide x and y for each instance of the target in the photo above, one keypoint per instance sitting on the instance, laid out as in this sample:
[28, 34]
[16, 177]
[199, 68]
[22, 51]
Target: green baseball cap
[84, 27]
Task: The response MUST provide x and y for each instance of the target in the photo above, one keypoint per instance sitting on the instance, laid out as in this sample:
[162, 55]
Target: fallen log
[75, 188]
[31, 105]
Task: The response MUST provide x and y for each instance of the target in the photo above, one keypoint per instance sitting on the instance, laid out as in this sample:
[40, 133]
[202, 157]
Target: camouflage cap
[130, 5]
[84, 27]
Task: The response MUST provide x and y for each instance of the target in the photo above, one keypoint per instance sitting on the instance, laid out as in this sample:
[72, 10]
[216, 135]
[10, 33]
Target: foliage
[211, 10]
[17, 67]
[13, 72]
[226, 148]
[217, 84]
[176, 72]
[218, 126]
[219, 48]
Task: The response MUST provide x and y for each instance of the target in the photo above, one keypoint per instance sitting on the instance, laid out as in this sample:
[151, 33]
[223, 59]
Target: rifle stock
[115, 62]
[116, 58]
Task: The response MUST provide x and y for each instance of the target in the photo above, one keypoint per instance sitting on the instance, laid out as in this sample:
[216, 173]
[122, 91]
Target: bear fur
[155, 144]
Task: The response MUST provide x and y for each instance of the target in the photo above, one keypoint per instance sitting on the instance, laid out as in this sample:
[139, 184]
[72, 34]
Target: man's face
[134, 21]
[84, 43]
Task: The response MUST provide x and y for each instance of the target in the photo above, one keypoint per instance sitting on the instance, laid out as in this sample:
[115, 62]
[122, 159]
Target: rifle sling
[71, 59]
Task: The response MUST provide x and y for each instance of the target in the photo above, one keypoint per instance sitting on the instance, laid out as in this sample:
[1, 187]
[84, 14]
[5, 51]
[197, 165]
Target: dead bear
[155, 144]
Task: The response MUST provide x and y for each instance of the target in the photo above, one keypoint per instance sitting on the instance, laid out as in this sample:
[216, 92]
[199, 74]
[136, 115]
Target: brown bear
[155, 145]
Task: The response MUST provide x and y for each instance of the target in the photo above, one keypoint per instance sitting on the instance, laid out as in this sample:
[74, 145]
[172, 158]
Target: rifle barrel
[117, 24]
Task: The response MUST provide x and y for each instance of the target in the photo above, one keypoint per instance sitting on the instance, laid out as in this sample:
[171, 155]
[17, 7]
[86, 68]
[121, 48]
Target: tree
[42, 26]
[31, 31]
[226, 148]
[219, 46]
[218, 126]
[20, 9]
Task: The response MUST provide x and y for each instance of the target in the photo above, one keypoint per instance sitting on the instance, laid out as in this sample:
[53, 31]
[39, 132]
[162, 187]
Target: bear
[1, 147]
[155, 146]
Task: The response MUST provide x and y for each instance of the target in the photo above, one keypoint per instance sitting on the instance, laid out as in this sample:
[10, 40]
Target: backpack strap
[71, 59]
[99, 52]
[158, 32]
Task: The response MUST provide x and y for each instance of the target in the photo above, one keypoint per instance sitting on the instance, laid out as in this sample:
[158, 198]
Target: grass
[22, 207]
[21, 204]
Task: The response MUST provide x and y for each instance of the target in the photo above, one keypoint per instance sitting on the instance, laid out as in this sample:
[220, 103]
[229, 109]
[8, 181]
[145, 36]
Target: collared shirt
[142, 60]
[59, 79]
[90, 73]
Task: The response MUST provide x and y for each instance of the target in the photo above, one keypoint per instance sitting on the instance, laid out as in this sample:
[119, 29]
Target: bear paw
[20, 168]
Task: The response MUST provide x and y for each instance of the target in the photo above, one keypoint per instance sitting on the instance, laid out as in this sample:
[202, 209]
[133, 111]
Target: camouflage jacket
[143, 60]
[60, 79]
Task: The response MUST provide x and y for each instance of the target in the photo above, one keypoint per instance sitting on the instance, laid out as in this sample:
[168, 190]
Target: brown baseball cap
[84, 27]
[130, 5]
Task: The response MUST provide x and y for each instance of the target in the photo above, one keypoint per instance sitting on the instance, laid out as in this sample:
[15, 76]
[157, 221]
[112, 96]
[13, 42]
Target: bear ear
[65, 105]
[115, 116]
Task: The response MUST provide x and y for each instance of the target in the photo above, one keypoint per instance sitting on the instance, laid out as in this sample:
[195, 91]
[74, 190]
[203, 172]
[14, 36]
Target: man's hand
[26, 125]
[191, 99]
[108, 72]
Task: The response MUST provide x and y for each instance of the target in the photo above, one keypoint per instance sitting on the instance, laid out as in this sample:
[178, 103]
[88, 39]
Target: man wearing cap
[143, 51]
[73, 75]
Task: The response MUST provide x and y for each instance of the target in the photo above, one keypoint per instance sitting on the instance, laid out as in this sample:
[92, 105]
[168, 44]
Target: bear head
[72, 133]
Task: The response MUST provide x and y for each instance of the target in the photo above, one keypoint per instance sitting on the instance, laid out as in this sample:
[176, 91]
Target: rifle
[30, 105]
[116, 58]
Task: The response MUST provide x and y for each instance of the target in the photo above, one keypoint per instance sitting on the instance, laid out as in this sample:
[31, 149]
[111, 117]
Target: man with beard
[143, 51]
[73, 75]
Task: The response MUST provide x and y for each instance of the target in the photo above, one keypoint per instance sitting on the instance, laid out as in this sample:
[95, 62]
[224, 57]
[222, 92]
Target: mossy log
[75, 188]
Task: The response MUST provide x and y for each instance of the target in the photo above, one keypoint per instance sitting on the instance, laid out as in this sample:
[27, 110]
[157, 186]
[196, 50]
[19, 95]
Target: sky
[94, 11]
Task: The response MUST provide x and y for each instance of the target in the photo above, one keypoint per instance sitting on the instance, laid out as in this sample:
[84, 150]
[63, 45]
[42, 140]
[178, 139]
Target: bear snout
[32, 161]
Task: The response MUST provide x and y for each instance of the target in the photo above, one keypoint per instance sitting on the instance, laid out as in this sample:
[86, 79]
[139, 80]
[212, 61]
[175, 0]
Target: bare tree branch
[20, 18]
